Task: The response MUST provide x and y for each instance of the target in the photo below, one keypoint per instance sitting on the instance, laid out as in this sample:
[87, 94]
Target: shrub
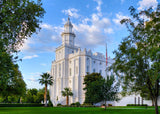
[109, 104]
[87, 105]
[50, 104]
[137, 105]
[78, 104]
[59, 104]
[22, 105]
[73, 104]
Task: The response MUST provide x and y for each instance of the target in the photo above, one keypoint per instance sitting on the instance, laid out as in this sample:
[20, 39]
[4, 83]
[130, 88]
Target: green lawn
[75, 110]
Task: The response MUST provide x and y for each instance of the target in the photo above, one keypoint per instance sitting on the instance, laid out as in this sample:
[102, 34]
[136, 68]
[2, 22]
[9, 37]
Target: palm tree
[46, 79]
[67, 92]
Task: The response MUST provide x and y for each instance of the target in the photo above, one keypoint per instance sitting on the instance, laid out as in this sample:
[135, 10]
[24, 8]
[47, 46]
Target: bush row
[77, 104]
[108, 105]
[137, 105]
[22, 105]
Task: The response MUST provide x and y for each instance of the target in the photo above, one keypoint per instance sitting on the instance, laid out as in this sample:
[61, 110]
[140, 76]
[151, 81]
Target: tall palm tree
[46, 79]
[66, 93]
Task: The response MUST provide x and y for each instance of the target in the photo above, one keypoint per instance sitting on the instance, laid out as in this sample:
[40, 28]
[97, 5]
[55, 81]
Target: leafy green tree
[19, 19]
[34, 96]
[13, 99]
[14, 83]
[46, 79]
[110, 89]
[66, 93]
[137, 58]
[146, 95]
[33, 91]
[93, 82]
[40, 95]
[31, 95]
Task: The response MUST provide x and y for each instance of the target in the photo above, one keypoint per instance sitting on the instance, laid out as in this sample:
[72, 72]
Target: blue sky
[95, 22]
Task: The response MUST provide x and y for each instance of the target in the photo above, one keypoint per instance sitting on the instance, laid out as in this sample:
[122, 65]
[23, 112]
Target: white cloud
[145, 4]
[108, 30]
[46, 26]
[33, 79]
[93, 30]
[43, 64]
[72, 12]
[35, 74]
[45, 41]
[98, 8]
[93, 34]
[30, 57]
[119, 17]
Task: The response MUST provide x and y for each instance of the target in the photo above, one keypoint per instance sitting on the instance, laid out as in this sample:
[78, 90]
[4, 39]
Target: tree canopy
[19, 19]
[12, 83]
[137, 60]
[93, 83]
[110, 89]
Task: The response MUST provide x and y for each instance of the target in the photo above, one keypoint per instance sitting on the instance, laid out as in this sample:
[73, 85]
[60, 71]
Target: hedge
[22, 105]
[137, 105]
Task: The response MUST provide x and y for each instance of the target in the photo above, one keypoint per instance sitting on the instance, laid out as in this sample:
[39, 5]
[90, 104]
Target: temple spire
[68, 17]
[68, 34]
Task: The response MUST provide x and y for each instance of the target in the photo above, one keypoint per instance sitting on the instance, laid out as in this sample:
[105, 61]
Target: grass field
[76, 110]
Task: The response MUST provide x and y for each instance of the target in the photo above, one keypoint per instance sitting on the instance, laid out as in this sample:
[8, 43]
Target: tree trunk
[67, 99]
[152, 102]
[105, 105]
[20, 100]
[45, 95]
[6, 99]
[156, 96]
[156, 106]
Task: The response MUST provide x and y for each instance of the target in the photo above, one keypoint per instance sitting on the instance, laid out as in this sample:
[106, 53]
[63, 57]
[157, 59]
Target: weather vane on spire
[69, 16]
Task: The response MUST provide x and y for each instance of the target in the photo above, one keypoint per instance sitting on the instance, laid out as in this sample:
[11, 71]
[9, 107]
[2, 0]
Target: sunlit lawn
[76, 110]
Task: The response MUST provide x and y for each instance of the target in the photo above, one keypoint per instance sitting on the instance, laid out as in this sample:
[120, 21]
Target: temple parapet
[86, 52]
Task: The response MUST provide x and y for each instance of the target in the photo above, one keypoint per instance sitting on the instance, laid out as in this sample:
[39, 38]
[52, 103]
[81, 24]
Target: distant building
[70, 67]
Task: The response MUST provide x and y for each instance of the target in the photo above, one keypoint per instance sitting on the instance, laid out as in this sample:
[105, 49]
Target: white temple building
[71, 65]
